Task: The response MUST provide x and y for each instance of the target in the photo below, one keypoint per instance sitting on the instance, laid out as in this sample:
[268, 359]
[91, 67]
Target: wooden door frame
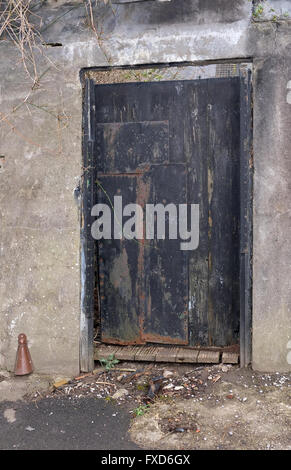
[88, 254]
[246, 218]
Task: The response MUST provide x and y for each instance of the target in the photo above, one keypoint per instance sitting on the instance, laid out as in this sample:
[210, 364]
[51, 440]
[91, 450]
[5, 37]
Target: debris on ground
[122, 392]
[175, 406]
[142, 385]
[60, 383]
[181, 422]
[235, 409]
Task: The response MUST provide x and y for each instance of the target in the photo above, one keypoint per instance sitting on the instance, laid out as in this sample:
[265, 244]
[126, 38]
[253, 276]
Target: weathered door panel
[214, 176]
[121, 267]
[196, 150]
[139, 132]
[128, 146]
[140, 102]
[144, 282]
[171, 142]
[223, 213]
[166, 266]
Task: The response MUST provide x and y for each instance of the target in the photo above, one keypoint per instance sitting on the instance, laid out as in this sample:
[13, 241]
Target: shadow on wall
[181, 11]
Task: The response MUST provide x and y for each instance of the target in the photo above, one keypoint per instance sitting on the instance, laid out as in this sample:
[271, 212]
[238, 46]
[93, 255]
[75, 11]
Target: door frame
[246, 218]
[88, 250]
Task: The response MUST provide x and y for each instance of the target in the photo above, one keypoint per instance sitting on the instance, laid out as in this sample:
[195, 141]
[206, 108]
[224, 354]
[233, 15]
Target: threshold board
[163, 354]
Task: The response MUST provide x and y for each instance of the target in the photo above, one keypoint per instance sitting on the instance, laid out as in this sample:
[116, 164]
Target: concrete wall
[272, 189]
[41, 142]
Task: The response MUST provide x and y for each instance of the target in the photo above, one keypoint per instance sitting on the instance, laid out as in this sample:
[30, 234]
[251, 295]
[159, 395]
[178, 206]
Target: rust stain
[143, 191]
[210, 185]
[110, 340]
[154, 338]
[149, 305]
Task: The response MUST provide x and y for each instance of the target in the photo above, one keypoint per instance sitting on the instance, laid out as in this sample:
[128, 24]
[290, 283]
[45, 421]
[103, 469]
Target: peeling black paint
[148, 291]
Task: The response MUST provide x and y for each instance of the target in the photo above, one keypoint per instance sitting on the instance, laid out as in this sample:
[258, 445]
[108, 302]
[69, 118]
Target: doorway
[171, 143]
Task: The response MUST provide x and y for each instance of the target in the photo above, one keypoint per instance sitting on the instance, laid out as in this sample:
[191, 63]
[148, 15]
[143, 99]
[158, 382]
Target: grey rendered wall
[41, 142]
[272, 242]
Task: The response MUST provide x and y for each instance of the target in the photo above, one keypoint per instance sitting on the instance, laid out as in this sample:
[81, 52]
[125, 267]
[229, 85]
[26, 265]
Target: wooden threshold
[176, 354]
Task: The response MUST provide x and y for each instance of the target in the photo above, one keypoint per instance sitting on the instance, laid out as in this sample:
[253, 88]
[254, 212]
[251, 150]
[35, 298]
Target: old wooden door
[170, 142]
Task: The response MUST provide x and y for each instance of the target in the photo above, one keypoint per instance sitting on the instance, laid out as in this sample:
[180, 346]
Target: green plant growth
[144, 76]
[258, 11]
[109, 362]
[164, 399]
[260, 8]
[110, 399]
[142, 387]
[141, 410]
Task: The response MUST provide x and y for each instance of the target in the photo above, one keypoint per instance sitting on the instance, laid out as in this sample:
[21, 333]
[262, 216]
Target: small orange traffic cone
[23, 363]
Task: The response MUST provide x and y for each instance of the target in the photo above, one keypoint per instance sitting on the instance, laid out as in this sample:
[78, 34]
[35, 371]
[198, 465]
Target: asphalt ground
[64, 424]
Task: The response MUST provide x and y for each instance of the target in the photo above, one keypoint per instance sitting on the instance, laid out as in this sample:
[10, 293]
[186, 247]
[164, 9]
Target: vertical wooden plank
[119, 267]
[87, 242]
[246, 196]
[166, 265]
[196, 151]
[223, 216]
